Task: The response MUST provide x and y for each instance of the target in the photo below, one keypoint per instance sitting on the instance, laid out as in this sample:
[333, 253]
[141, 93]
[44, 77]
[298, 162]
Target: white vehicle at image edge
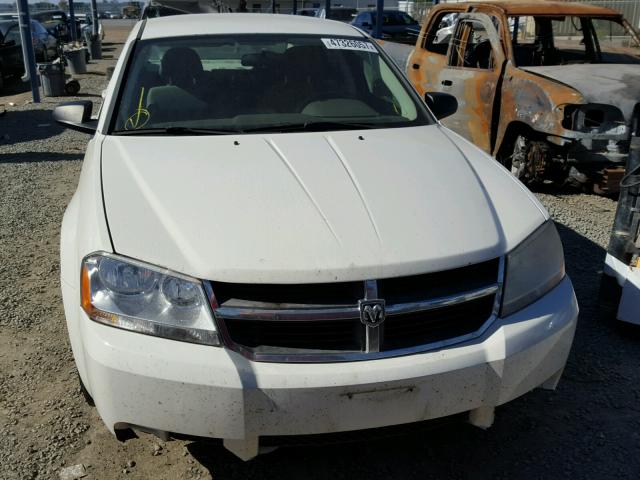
[273, 236]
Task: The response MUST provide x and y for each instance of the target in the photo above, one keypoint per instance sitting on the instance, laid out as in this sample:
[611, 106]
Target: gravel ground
[588, 428]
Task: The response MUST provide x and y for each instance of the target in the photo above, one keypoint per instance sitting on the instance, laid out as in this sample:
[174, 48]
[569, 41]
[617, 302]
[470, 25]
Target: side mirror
[76, 116]
[441, 104]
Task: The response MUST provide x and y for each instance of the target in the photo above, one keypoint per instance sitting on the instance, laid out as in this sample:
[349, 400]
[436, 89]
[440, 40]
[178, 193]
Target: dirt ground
[588, 428]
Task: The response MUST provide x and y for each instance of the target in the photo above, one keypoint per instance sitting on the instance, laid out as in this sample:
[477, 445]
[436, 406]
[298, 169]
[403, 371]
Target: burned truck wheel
[635, 124]
[530, 160]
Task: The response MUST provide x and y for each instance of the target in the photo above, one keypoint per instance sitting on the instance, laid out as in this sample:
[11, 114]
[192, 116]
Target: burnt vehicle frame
[542, 128]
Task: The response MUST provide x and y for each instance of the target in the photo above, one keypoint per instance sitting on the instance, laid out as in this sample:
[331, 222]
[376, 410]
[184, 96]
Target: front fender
[533, 100]
[84, 230]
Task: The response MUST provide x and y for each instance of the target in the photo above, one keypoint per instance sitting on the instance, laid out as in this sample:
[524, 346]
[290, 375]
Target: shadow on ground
[27, 125]
[587, 428]
[29, 157]
[13, 86]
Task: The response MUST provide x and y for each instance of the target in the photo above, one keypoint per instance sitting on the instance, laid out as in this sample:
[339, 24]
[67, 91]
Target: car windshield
[395, 18]
[38, 28]
[343, 14]
[262, 82]
[542, 41]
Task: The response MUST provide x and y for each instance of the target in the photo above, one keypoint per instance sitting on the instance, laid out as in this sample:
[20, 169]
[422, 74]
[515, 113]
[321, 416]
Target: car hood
[611, 84]
[311, 207]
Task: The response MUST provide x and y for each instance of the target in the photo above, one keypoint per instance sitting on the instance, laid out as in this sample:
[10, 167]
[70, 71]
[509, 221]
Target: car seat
[181, 98]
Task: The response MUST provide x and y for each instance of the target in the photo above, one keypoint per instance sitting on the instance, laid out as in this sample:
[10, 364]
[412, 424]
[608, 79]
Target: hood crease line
[293, 172]
[354, 182]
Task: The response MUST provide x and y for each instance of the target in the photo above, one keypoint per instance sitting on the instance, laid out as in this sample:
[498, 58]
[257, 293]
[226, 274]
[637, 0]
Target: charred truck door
[473, 74]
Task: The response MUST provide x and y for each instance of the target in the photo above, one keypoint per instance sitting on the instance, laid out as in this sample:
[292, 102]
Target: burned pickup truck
[551, 89]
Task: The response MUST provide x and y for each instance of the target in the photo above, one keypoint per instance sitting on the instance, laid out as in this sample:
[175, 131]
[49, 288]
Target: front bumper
[169, 386]
[594, 148]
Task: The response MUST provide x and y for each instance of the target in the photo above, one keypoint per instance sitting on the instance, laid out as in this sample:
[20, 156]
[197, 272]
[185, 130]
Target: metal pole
[295, 6]
[327, 8]
[379, 13]
[27, 48]
[273, 6]
[72, 22]
[94, 18]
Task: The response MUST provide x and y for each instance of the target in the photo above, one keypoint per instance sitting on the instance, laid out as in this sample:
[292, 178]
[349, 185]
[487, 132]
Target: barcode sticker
[348, 44]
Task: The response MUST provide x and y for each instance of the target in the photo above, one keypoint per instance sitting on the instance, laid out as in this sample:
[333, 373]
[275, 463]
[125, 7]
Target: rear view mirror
[366, 24]
[441, 104]
[76, 115]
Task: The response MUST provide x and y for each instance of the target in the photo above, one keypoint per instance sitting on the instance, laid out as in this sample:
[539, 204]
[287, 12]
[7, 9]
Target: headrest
[181, 66]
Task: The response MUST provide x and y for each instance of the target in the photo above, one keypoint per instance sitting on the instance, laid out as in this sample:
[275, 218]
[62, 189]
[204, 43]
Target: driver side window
[471, 47]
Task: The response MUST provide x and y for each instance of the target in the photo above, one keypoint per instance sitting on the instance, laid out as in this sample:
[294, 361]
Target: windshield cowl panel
[251, 83]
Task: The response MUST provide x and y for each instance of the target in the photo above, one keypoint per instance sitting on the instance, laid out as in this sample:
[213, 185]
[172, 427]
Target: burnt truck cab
[551, 89]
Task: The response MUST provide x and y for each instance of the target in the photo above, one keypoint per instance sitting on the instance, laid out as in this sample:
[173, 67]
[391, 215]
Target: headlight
[533, 268]
[594, 118]
[134, 296]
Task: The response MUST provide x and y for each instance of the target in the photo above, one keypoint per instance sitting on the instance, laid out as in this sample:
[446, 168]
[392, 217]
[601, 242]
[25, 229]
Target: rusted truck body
[550, 89]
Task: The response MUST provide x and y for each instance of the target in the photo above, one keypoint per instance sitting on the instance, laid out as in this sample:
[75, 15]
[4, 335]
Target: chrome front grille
[322, 322]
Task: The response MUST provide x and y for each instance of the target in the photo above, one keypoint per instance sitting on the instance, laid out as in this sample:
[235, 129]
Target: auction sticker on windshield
[348, 44]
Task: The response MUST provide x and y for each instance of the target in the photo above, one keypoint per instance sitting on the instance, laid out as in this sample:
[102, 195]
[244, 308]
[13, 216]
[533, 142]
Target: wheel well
[514, 129]
[635, 121]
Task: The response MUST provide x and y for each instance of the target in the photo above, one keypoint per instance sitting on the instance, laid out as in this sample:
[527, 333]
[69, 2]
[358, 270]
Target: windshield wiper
[286, 127]
[176, 131]
[312, 127]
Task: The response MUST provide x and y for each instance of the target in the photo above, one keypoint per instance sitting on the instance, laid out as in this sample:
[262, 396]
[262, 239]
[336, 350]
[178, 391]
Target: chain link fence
[630, 9]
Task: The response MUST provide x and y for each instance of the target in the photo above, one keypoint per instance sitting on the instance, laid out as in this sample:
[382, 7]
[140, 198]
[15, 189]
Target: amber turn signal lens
[85, 290]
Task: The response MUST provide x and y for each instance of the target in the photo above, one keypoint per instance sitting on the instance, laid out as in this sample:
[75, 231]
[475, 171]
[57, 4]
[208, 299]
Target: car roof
[7, 24]
[538, 7]
[47, 12]
[243, 23]
[386, 10]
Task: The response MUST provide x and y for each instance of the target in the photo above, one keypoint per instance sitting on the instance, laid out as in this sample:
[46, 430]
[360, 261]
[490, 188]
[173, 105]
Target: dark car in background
[56, 22]
[340, 14]
[11, 63]
[45, 46]
[397, 25]
[308, 12]
[85, 25]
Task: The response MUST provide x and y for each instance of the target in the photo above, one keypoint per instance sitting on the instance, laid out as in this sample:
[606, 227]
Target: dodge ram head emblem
[371, 312]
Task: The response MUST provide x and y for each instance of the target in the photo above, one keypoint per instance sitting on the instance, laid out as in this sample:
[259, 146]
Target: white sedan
[273, 235]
